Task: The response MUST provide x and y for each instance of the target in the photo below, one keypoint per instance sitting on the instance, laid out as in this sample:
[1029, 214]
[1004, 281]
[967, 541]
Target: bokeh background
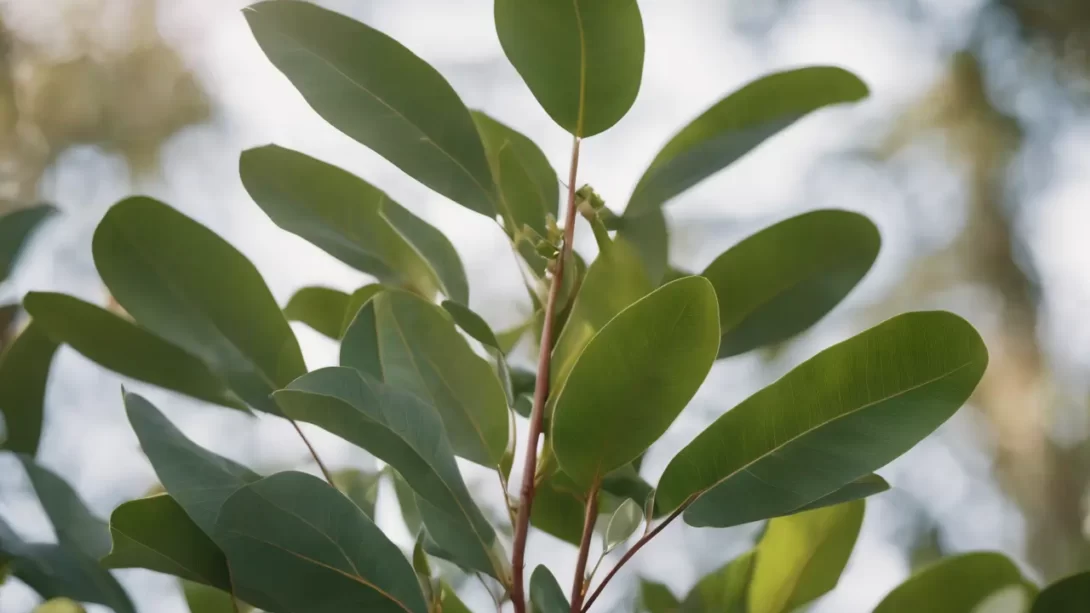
[972, 155]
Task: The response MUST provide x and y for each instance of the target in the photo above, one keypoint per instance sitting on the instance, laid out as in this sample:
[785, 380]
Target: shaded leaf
[801, 557]
[840, 415]
[723, 591]
[623, 524]
[477, 328]
[582, 60]
[189, 286]
[321, 308]
[352, 220]
[24, 371]
[527, 185]
[400, 107]
[411, 344]
[736, 125]
[863, 487]
[558, 512]
[1068, 595]
[360, 487]
[16, 228]
[649, 237]
[785, 278]
[954, 585]
[155, 533]
[546, 595]
[73, 522]
[307, 547]
[406, 501]
[633, 378]
[657, 598]
[119, 345]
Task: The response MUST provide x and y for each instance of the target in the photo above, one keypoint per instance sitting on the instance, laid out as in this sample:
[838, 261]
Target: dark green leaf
[400, 107]
[785, 278]
[76, 527]
[310, 549]
[723, 591]
[352, 220]
[736, 125]
[546, 595]
[634, 378]
[955, 585]
[360, 487]
[16, 228]
[119, 345]
[583, 60]
[411, 344]
[800, 557]
[402, 430]
[155, 533]
[24, 371]
[557, 511]
[189, 286]
[623, 524]
[863, 487]
[473, 324]
[840, 415]
[657, 598]
[1069, 595]
[527, 185]
[321, 308]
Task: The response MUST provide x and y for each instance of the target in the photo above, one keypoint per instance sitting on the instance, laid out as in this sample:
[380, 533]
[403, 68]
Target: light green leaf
[657, 598]
[155, 533]
[356, 301]
[16, 228]
[400, 107]
[24, 371]
[582, 59]
[723, 591]
[623, 524]
[352, 220]
[120, 345]
[189, 286]
[310, 549]
[785, 278]
[527, 185]
[59, 605]
[360, 487]
[321, 308]
[558, 511]
[863, 487]
[955, 585]
[634, 378]
[204, 599]
[847, 411]
[411, 344]
[76, 527]
[546, 595]
[449, 601]
[800, 558]
[402, 430]
[1068, 595]
[736, 125]
[648, 236]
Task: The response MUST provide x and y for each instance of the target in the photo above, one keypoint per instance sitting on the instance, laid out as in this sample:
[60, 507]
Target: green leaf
[657, 598]
[189, 286]
[411, 344]
[120, 345]
[785, 278]
[800, 558]
[406, 501]
[360, 487]
[736, 125]
[321, 308]
[622, 524]
[546, 595]
[477, 328]
[1069, 595]
[155, 533]
[400, 429]
[16, 228]
[356, 301]
[723, 591]
[582, 59]
[204, 599]
[73, 522]
[863, 487]
[59, 605]
[400, 107]
[954, 585]
[847, 411]
[634, 377]
[558, 511]
[449, 601]
[527, 185]
[648, 236]
[352, 220]
[310, 549]
[24, 371]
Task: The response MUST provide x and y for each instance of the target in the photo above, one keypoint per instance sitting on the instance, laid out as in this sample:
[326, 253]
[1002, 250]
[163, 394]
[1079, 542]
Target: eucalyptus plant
[424, 383]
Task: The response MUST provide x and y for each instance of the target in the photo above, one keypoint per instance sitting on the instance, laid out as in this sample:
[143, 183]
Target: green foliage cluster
[423, 381]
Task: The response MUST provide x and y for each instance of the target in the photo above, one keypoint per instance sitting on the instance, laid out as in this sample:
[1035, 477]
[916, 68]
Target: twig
[313, 453]
[577, 588]
[541, 393]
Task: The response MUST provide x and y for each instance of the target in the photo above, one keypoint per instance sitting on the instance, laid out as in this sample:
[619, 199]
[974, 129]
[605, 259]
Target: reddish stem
[584, 550]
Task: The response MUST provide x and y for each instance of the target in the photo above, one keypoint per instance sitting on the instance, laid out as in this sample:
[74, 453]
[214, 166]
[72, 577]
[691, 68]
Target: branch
[577, 589]
[313, 453]
[541, 394]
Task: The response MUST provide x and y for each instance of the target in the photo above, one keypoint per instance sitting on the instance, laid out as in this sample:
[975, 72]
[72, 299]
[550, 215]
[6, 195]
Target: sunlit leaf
[59, 605]
[16, 228]
[204, 599]
[623, 524]
[75, 525]
[840, 415]
[725, 590]
[546, 595]
[1068, 595]
[527, 185]
[24, 371]
[955, 585]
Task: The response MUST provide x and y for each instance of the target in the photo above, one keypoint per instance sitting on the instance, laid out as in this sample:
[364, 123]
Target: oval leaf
[736, 125]
[785, 278]
[546, 595]
[845, 412]
[528, 188]
[309, 548]
[582, 59]
[402, 340]
[24, 371]
[400, 107]
[189, 286]
[801, 557]
[723, 591]
[954, 585]
[16, 228]
[1070, 595]
[321, 308]
[119, 345]
[622, 524]
[634, 377]
[76, 527]
[352, 220]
